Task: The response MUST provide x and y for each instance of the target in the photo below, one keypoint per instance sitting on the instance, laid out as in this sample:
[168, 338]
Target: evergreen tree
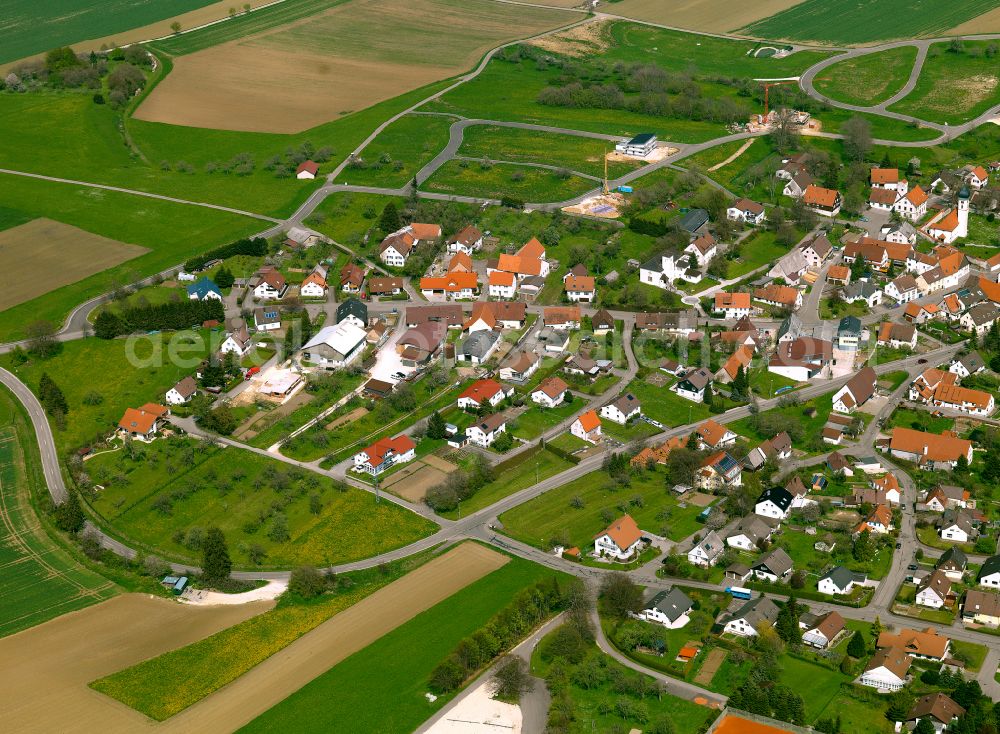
[51, 397]
[856, 647]
[224, 278]
[390, 221]
[213, 375]
[69, 515]
[924, 726]
[108, 325]
[436, 426]
[215, 564]
[787, 624]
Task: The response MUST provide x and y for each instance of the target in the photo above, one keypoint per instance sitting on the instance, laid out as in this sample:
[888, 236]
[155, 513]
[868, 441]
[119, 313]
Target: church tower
[963, 213]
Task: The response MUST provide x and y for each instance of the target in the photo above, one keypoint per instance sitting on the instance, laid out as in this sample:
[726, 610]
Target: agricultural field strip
[147, 194]
[339, 637]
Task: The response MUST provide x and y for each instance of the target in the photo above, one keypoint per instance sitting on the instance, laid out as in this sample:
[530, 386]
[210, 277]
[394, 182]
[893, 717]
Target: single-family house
[502, 285]
[519, 366]
[482, 393]
[745, 210]
[749, 532]
[353, 311]
[926, 644]
[734, 305]
[970, 363]
[452, 286]
[897, 336]
[669, 608]
[623, 409]
[934, 590]
[840, 581]
[620, 540]
[268, 285]
[237, 339]
[858, 390]
[561, 317]
[467, 240]
[307, 170]
[989, 573]
[204, 290]
[773, 566]
[946, 497]
[822, 630]
[713, 435]
[782, 296]
[587, 426]
[719, 470]
[182, 392]
[957, 526]
[314, 285]
[825, 202]
[550, 392]
[887, 670]
[750, 617]
[937, 708]
[774, 502]
[142, 424]
[383, 454]
[952, 563]
[266, 318]
[707, 551]
[486, 429]
[981, 607]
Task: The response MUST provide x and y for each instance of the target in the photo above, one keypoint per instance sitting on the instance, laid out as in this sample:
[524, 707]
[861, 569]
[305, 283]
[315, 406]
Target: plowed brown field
[46, 669]
[339, 61]
[43, 255]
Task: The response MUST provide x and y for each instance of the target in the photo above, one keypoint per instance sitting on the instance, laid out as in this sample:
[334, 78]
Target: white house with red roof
[978, 178]
[307, 170]
[383, 454]
[587, 427]
[483, 392]
[621, 539]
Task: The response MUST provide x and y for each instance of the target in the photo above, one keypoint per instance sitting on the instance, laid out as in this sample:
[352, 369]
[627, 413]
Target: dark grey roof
[753, 527]
[953, 558]
[642, 139]
[972, 362]
[990, 566]
[859, 289]
[479, 343]
[791, 326]
[756, 611]
[674, 603]
[694, 220]
[776, 561]
[695, 380]
[849, 325]
[841, 576]
[352, 307]
[778, 495]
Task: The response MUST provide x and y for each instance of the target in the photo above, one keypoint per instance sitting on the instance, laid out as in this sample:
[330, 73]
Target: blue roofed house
[204, 290]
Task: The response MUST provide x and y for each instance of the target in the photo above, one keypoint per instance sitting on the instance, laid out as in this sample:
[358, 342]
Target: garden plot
[65, 254]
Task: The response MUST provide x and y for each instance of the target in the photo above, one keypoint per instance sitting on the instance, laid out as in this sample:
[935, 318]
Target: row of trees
[526, 611]
[255, 247]
[157, 317]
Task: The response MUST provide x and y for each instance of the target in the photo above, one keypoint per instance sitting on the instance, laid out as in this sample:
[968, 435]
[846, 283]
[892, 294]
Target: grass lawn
[815, 683]
[552, 516]
[393, 158]
[922, 420]
[568, 442]
[536, 420]
[594, 704]
[971, 652]
[856, 714]
[197, 670]
[469, 178]
[864, 22]
[759, 249]
[172, 232]
[151, 295]
[585, 155]
[519, 472]
[40, 580]
[176, 486]
[766, 383]
[953, 87]
[906, 606]
[895, 378]
[112, 376]
[811, 425]
[362, 694]
[664, 406]
[869, 79]
[829, 309]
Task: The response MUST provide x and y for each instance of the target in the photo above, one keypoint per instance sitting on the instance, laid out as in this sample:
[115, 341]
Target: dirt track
[46, 669]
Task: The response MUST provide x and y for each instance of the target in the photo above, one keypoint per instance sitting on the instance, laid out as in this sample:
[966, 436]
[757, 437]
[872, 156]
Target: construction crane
[767, 89]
